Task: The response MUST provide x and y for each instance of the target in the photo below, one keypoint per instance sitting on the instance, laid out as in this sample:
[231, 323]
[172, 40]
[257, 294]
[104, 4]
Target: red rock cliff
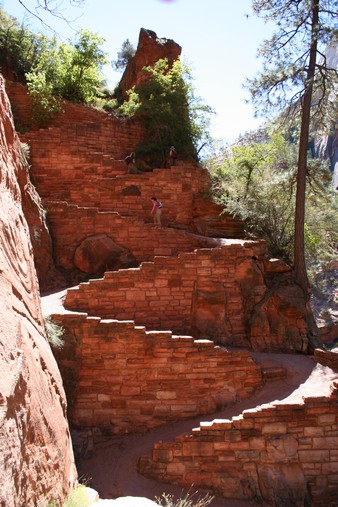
[36, 457]
[150, 49]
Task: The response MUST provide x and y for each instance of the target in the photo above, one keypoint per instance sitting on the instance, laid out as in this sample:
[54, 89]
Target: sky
[219, 43]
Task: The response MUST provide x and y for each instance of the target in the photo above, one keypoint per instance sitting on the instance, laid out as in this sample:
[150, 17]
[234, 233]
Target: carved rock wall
[36, 458]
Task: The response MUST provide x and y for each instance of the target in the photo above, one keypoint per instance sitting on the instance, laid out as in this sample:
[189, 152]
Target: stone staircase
[169, 338]
[122, 378]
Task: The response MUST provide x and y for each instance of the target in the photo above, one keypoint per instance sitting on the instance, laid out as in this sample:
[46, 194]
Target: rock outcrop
[150, 49]
[36, 457]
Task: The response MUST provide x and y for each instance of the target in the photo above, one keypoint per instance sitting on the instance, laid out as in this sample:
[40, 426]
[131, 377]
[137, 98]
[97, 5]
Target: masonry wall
[128, 379]
[327, 358]
[281, 454]
[129, 195]
[215, 293]
[109, 129]
[70, 225]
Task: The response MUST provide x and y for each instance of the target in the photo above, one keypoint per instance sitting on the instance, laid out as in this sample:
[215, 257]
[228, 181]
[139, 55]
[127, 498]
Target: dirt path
[111, 469]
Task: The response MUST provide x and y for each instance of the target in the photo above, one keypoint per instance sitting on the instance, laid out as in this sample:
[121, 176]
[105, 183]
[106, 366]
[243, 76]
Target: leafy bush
[78, 498]
[45, 106]
[169, 111]
[256, 183]
[82, 79]
[52, 70]
[20, 50]
[24, 154]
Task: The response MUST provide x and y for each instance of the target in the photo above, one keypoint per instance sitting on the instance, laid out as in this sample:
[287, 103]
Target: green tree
[294, 74]
[82, 78]
[170, 112]
[20, 50]
[125, 54]
[257, 182]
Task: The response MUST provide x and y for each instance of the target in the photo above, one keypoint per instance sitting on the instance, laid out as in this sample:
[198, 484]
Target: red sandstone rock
[36, 458]
[35, 214]
[99, 253]
[150, 49]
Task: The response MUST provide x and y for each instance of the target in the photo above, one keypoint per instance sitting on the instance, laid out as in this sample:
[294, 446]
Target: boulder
[99, 253]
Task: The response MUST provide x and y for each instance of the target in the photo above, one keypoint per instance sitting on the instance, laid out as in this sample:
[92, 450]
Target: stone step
[273, 372]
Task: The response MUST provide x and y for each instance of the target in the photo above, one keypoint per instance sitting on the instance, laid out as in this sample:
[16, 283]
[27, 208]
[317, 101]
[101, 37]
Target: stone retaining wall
[129, 195]
[217, 293]
[69, 225]
[121, 378]
[327, 358]
[280, 454]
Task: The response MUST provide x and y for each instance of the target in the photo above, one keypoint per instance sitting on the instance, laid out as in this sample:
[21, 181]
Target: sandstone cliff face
[36, 458]
[150, 49]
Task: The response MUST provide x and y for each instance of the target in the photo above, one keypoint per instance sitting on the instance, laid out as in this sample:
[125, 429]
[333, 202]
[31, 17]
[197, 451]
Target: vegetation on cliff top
[170, 112]
[52, 70]
[165, 103]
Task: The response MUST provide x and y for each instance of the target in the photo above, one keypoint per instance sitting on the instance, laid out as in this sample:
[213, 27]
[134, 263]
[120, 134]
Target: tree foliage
[52, 70]
[170, 112]
[257, 183]
[281, 85]
[296, 74]
[125, 54]
[82, 79]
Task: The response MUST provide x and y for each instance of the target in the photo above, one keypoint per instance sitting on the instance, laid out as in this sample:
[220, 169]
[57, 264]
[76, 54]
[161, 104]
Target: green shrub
[188, 500]
[54, 333]
[170, 112]
[78, 498]
[24, 154]
[52, 70]
[256, 182]
[45, 106]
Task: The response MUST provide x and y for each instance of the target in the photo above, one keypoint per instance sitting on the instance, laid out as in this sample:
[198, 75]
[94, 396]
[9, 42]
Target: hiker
[173, 155]
[157, 205]
[131, 164]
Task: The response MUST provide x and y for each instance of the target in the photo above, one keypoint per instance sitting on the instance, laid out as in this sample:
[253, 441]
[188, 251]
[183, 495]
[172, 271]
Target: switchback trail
[111, 467]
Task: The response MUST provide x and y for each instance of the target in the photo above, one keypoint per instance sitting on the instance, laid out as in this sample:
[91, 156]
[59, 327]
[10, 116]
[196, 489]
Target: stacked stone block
[130, 379]
[199, 293]
[71, 224]
[281, 454]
